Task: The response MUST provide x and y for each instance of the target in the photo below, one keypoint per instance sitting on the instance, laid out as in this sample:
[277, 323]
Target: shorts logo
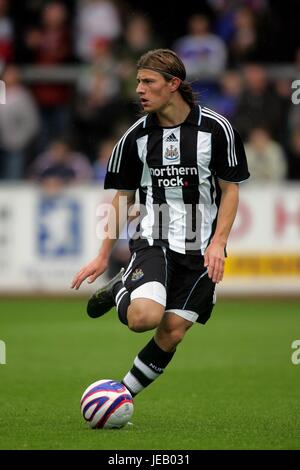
[137, 274]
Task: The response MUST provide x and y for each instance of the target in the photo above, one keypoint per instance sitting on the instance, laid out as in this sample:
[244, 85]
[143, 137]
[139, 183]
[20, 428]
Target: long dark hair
[169, 65]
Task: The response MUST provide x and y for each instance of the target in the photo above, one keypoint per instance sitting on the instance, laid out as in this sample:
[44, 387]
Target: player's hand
[90, 272]
[214, 260]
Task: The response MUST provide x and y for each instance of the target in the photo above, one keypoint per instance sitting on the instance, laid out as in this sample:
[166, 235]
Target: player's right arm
[98, 265]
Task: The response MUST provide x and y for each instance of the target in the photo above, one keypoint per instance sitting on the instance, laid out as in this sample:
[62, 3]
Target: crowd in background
[64, 124]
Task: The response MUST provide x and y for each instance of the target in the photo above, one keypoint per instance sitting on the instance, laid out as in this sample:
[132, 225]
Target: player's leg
[144, 314]
[152, 360]
[141, 299]
[190, 300]
[171, 331]
[139, 293]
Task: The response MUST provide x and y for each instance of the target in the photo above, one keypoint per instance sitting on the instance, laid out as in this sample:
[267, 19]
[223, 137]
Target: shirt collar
[192, 118]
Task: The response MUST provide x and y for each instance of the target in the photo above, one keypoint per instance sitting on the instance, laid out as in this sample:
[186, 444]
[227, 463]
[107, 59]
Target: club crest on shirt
[171, 153]
[137, 274]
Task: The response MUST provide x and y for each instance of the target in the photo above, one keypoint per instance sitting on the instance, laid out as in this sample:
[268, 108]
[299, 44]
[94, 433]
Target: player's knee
[138, 320]
[137, 323]
[143, 319]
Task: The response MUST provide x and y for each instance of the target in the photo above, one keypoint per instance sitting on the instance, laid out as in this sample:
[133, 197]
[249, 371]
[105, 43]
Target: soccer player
[186, 162]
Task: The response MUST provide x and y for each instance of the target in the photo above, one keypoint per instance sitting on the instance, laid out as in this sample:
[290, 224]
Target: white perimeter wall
[44, 240]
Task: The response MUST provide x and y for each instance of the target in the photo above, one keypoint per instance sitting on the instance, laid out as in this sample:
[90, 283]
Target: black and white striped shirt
[176, 171]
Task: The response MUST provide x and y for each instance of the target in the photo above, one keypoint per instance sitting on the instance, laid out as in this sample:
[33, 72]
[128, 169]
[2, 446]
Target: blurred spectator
[203, 53]
[297, 59]
[245, 27]
[58, 172]
[100, 166]
[258, 105]
[104, 92]
[97, 20]
[62, 162]
[6, 35]
[294, 156]
[99, 80]
[51, 42]
[53, 181]
[52, 46]
[282, 88]
[293, 117]
[19, 124]
[138, 38]
[244, 40]
[227, 101]
[266, 158]
[97, 103]
[224, 22]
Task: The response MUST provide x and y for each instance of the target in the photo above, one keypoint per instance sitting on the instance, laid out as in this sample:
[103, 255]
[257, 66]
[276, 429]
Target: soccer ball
[106, 404]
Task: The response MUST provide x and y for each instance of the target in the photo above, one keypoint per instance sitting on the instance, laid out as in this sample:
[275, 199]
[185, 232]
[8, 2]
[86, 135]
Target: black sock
[148, 366]
[122, 299]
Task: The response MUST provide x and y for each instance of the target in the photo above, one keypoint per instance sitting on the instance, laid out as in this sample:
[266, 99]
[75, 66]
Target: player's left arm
[214, 258]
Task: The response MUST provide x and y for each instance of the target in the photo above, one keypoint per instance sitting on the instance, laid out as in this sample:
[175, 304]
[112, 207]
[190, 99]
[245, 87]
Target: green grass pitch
[231, 385]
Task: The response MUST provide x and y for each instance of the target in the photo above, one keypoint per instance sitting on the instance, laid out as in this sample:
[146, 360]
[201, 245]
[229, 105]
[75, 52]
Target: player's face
[154, 90]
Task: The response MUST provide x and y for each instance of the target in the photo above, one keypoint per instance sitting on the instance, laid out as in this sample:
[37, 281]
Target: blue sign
[59, 227]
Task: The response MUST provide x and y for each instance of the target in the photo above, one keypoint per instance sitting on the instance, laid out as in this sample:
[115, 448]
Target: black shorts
[177, 281]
